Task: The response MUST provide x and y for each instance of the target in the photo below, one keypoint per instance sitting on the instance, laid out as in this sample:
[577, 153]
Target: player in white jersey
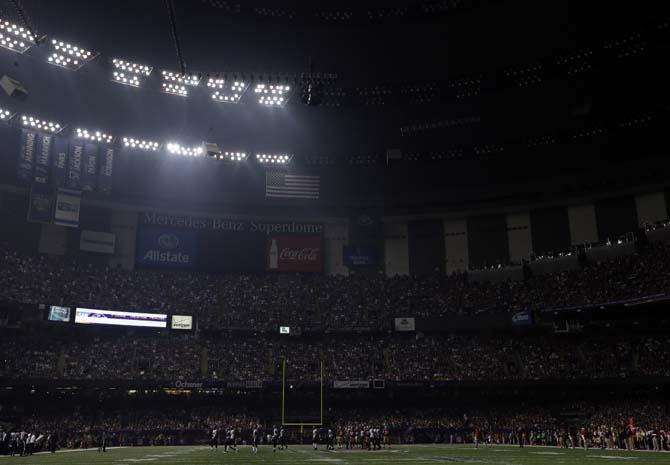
[256, 436]
[315, 437]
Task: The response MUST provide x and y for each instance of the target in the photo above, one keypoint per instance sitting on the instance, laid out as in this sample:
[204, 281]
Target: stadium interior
[352, 231]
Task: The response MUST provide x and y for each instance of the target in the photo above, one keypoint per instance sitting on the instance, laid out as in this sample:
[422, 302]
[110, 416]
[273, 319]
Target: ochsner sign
[303, 253]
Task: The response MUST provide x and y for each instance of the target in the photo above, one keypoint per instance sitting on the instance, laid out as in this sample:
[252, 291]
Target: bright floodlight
[187, 79]
[69, 56]
[133, 143]
[42, 125]
[276, 159]
[15, 38]
[129, 73]
[227, 93]
[97, 136]
[271, 95]
[6, 115]
[185, 151]
[175, 89]
[127, 79]
[233, 156]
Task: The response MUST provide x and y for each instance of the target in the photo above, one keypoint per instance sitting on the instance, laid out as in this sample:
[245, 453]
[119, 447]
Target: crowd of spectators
[258, 358]
[601, 425]
[262, 301]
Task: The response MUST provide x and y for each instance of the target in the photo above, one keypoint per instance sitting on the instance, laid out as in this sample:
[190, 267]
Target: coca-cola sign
[302, 253]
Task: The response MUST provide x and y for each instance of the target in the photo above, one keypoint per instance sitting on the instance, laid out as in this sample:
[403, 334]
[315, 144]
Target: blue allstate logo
[168, 241]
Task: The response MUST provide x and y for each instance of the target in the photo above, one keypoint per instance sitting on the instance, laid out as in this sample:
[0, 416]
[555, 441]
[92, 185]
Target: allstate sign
[166, 247]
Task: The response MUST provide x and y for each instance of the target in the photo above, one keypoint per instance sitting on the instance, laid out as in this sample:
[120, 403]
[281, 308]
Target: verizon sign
[303, 253]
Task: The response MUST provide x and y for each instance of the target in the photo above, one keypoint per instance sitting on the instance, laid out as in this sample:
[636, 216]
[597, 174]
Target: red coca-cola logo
[304, 254]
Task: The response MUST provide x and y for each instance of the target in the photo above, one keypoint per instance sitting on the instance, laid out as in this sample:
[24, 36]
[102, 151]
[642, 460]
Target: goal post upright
[283, 400]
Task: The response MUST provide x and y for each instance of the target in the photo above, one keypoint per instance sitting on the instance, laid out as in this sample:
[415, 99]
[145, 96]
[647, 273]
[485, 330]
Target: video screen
[182, 322]
[93, 316]
[57, 313]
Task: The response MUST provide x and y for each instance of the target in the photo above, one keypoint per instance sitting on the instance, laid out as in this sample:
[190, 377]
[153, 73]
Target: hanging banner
[75, 159]
[359, 256]
[303, 253]
[40, 207]
[96, 241]
[68, 203]
[43, 159]
[106, 170]
[59, 166]
[27, 156]
[89, 168]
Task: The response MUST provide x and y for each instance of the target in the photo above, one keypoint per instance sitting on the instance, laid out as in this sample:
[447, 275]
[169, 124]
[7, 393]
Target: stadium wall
[550, 229]
[336, 237]
[396, 248]
[615, 217]
[426, 247]
[519, 236]
[650, 207]
[583, 226]
[456, 245]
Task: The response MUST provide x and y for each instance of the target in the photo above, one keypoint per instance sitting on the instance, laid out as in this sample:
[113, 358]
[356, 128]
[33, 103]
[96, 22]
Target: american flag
[292, 186]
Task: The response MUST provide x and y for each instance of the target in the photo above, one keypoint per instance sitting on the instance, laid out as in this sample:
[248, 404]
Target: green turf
[304, 455]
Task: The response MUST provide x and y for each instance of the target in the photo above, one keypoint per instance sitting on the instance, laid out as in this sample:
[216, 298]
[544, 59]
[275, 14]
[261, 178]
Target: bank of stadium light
[233, 156]
[267, 159]
[141, 144]
[51, 127]
[95, 136]
[174, 89]
[68, 55]
[271, 95]
[177, 149]
[6, 115]
[130, 74]
[177, 84]
[14, 37]
[230, 92]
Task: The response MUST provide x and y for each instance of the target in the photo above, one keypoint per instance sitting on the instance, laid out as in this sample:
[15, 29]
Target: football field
[304, 455]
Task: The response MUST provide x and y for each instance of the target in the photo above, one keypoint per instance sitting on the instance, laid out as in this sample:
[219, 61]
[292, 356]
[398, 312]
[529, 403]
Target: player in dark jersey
[331, 440]
[275, 438]
[283, 444]
[230, 440]
[315, 437]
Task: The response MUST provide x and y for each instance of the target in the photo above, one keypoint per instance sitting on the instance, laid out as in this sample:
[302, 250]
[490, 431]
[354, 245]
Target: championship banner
[359, 256]
[68, 203]
[59, 166]
[405, 324]
[106, 172]
[43, 159]
[295, 253]
[89, 169]
[27, 156]
[40, 207]
[166, 247]
[75, 160]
